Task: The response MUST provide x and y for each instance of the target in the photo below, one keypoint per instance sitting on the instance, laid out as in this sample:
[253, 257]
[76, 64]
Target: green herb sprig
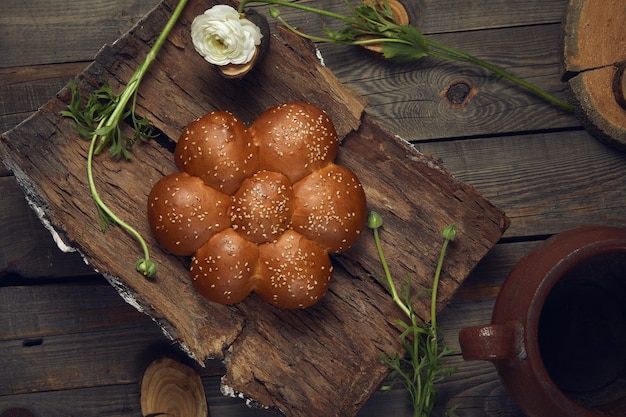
[373, 23]
[423, 366]
[100, 118]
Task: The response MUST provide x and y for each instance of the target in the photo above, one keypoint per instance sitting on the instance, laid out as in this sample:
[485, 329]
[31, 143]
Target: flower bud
[146, 267]
[449, 232]
[374, 220]
[274, 12]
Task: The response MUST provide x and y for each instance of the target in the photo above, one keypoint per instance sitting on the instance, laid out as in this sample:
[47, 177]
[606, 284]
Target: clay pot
[558, 332]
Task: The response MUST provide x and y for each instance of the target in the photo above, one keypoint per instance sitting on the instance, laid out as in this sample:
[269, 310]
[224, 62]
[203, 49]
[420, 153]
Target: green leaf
[413, 45]
[402, 53]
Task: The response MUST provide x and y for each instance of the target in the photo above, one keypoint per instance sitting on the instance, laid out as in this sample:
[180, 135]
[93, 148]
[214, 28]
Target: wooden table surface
[69, 345]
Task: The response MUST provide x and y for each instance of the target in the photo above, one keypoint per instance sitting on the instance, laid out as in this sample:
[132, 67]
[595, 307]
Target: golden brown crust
[224, 269]
[184, 213]
[295, 272]
[295, 139]
[218, 148]
[330, 208]
[262, 207]
[259, 209]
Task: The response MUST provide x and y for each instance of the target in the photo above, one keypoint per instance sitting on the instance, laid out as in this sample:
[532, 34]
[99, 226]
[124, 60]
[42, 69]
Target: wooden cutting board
[322, 361]
[594, 61]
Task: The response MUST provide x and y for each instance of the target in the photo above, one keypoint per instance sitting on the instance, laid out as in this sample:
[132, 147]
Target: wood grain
[406, 99]
[86, 322]
[27, 247]
[409, 97]
[592, 54]
[520, 154]
[543, 182]
[357, 315]
[64, 32]
[172, 388]
[24, 89]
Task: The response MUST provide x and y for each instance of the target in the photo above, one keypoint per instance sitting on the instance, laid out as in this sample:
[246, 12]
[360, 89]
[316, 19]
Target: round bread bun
[262, 207]
[184, 213]
[259, 209]
[330, 208]
[218, 148]
[295, 138]
[224, 269]
[294, 271]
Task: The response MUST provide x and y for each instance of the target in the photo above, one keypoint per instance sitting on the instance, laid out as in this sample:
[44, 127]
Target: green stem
[435, 49]
[312, 38]
[101, 206]
[433, 299]
[390, 284]
[145, 265]
[448, 233]
[133, 84]
[309, 9]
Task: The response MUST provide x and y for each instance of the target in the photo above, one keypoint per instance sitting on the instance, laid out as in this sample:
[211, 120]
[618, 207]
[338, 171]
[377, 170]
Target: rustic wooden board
[403, 98]
[593, 48]
[320, 361]
[577, 181]
[26, 247]
[24, 89]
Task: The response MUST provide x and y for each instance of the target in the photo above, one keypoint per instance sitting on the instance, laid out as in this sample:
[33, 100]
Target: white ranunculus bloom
[222, 37]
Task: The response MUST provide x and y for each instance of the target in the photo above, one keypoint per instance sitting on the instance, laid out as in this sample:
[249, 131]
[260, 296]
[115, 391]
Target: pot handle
[492, 342]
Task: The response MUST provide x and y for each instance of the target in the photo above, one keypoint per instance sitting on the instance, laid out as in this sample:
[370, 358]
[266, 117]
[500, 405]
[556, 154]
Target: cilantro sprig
[374, 23]
[101, 119]
[422, 366]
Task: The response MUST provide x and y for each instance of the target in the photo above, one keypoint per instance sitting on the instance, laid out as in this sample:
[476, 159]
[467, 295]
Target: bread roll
[259, 209]
[295, 139]
[184, 213]
[262, 207]
[330, 208]
[218, 148]
[294, 271]
[224, 270]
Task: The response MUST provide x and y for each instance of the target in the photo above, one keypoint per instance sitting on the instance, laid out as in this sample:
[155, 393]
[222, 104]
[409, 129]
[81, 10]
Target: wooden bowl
[170, 388]
[240, 70]
[399, 12]
[593, 63]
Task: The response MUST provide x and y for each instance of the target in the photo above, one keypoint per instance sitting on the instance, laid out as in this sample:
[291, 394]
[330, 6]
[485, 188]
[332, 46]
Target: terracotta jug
[558, 332]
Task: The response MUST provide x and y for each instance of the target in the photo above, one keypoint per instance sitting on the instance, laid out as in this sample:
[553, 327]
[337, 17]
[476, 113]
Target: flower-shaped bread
[261, 208]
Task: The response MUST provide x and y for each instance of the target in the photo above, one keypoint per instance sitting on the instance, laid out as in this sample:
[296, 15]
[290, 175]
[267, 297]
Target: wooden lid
[593, 53]
[170, 388]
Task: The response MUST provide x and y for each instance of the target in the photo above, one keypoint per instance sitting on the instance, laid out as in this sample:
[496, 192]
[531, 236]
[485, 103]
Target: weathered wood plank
[546, 183]
[26, 247]
[58, 330]
[99, 322]
[24, 89]
[44, 32]
[357, 315]
[409, 101]
[523, 38]
[56, 364]
[442, 16]
[30, 311]
[418, 111]
[57, 31]
[119, 401]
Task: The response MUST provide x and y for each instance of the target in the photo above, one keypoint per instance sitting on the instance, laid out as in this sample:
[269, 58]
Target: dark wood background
[72, 346]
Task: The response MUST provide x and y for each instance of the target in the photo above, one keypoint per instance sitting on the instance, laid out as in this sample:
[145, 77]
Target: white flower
[223, 37]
